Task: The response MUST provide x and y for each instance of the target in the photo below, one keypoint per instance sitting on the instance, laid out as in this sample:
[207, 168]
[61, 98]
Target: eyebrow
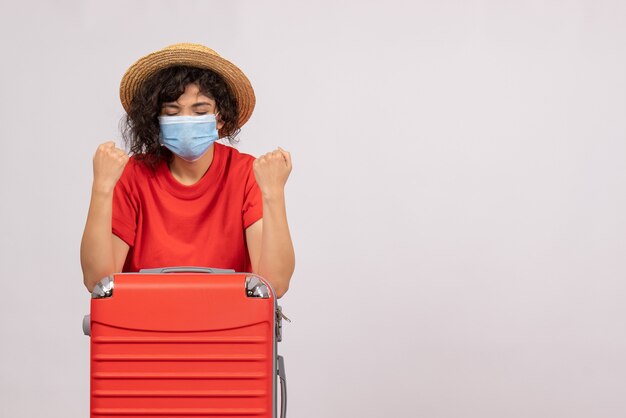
[193, 105]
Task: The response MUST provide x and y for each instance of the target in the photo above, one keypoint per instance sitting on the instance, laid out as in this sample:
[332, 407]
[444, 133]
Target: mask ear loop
[217, 121]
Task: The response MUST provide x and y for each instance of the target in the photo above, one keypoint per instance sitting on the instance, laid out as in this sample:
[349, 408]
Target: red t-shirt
[167, 223]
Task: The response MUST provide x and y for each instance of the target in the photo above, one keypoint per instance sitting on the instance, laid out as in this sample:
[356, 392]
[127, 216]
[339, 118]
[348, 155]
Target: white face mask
[189, 137]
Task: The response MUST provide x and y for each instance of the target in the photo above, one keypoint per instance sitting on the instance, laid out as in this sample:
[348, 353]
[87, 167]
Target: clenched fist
[271, 171]
[108, 165]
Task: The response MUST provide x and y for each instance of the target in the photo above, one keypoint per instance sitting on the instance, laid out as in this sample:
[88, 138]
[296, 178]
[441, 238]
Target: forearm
[96, 248]
[277, 259]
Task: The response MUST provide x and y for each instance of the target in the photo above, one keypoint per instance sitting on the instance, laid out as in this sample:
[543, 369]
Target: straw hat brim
[193, 55]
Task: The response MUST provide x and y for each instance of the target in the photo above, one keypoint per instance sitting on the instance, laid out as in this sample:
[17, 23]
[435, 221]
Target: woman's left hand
[271, 171]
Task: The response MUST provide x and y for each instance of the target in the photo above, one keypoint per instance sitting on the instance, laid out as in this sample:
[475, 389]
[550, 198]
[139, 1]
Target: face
[191, 103]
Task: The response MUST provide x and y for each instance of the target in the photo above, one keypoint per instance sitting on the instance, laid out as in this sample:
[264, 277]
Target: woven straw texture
[194, 55]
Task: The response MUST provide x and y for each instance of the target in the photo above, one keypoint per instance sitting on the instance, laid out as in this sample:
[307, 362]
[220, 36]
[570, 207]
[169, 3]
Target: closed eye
[197, 113]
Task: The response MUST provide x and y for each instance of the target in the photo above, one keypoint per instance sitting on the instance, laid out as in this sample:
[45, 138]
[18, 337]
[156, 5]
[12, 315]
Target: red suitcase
[185, 341]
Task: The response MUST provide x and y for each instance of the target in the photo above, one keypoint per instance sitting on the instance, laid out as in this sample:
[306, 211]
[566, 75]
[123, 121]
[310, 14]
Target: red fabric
[166, 223]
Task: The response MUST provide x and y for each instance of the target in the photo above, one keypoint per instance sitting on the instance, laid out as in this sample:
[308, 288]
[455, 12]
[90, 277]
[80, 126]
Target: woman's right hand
[108, 165]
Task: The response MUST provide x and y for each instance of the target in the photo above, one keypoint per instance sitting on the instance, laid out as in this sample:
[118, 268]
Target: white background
[457, 201]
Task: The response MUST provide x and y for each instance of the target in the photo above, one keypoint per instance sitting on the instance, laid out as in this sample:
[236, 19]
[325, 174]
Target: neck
[189, 173]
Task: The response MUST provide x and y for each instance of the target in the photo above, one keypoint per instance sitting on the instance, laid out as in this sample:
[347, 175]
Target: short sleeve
[125, 208]
[252, 209]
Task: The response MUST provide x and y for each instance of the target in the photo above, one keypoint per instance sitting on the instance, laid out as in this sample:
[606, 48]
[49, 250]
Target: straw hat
[193, 55]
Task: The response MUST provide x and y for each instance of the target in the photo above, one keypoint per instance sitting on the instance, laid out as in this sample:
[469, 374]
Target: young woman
[183, 199]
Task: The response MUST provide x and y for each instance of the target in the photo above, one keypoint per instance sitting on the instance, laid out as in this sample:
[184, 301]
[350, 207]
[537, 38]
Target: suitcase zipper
[279, 323]
[280, 313]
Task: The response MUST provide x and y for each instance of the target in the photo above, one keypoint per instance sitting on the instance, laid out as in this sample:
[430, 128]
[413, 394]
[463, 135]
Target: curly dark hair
[140, 127]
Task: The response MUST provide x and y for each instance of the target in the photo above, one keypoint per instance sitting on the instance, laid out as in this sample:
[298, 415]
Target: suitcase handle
[185, 269]
[283, 386]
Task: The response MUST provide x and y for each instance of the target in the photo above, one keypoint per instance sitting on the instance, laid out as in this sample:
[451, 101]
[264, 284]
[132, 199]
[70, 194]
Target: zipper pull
[280, 313]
